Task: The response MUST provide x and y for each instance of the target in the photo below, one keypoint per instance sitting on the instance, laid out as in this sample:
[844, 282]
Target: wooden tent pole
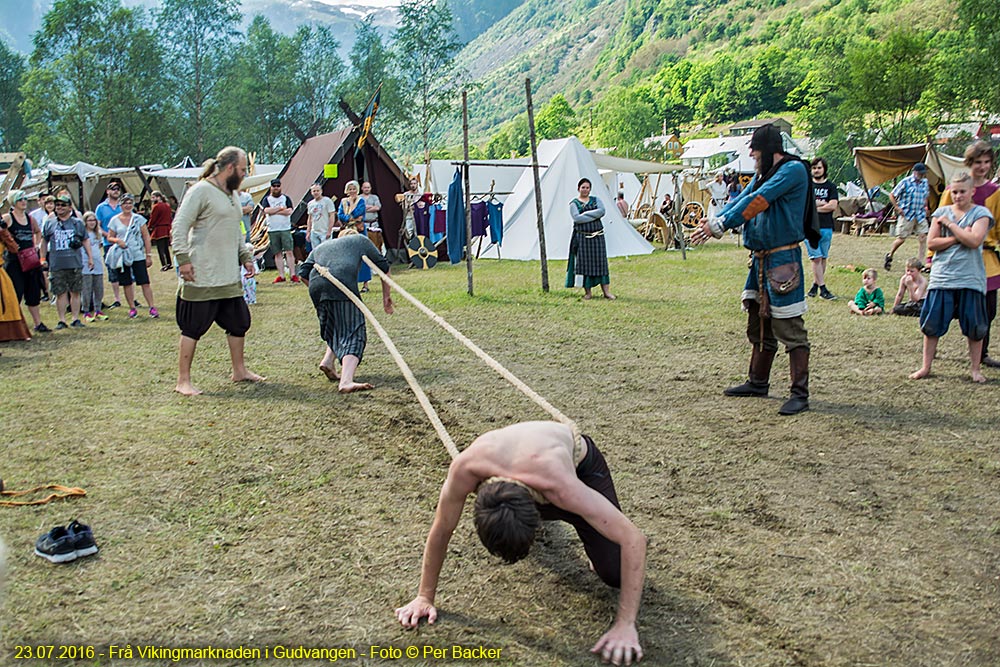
[468, 199]
[542, 254]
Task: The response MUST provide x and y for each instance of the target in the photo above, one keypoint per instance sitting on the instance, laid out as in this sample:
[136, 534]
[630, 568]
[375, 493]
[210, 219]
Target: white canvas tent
[620, 175]
[87, 182]
[482, 174]
[568, 161]
[176, 181]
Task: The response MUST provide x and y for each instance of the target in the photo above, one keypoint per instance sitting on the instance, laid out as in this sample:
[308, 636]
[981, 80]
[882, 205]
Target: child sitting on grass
[957, 288]
[869, 300]
[912, 286]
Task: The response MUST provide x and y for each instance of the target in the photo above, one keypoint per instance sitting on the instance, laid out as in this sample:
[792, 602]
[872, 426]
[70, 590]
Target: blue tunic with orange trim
[771, 216]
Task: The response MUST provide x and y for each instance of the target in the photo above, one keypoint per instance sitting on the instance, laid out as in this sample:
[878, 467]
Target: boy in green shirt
[869, 300]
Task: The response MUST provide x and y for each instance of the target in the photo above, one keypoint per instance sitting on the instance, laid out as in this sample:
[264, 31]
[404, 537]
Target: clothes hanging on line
[496, 222]
[436, 221]
[479, 215]
[421, 218]
[456, 219]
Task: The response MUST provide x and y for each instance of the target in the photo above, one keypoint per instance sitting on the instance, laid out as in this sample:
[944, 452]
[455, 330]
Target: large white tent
[567, 162]
[483, 175]
[176, 181]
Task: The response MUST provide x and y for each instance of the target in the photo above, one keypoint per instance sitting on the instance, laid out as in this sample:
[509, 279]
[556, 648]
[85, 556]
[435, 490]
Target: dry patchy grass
[863, 532]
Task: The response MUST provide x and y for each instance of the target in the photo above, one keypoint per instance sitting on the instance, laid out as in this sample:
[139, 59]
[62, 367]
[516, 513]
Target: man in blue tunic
[777, 213]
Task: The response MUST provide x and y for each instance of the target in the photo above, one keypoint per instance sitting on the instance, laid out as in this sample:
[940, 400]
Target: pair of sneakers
[90, 318]
[64, 544]
[822, 291]
[153, 312]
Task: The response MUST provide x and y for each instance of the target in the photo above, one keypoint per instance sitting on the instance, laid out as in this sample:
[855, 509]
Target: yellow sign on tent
[329, 171]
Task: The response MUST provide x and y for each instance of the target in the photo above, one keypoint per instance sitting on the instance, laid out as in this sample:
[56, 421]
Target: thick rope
[407, 373]
[490, 361]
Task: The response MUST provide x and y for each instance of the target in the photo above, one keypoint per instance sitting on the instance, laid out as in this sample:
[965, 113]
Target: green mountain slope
[585, 49]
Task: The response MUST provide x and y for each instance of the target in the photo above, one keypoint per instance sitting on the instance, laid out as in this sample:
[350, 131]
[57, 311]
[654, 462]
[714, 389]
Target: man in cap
[209, 249]
[777, 212]
[64, 235]
[909, 197]
[278, 209]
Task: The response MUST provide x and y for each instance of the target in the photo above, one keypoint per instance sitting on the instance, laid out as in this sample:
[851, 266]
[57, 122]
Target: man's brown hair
[506, 519]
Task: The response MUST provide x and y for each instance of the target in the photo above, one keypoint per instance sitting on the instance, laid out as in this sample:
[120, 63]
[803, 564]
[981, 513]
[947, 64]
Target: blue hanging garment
[496, 222]
[456, 219]
[478, 215]
[433, 234]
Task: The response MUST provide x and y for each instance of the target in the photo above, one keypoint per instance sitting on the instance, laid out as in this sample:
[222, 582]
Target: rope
[490, 361]
[61, 492]
[398, 358]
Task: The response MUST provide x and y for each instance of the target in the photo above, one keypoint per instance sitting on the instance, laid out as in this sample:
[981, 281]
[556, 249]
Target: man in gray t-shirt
[372, 207]
[64, 236]
[341, 323]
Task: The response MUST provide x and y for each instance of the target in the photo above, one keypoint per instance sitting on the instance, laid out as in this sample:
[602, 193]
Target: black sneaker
[83, 539]
[41, 328]
[56, 546]
[137, 304]
[77, 324]
[888, 262]
[62, 325]
[827, 294]
[812, 290]
[116, 304]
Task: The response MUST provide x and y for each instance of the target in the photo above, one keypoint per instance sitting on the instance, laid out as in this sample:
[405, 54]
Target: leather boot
[798, 363]
[759, 376]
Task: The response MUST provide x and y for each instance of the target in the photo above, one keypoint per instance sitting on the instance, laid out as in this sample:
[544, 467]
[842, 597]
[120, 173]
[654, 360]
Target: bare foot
[978, 377]
[586, 297]
[355, 386]
[330, 374]
[920, 374]
[248, 377]
[610, 297]
[187, 389]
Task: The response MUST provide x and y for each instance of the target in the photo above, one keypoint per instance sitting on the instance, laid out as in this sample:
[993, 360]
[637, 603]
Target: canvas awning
[627, 165]
[880, 164]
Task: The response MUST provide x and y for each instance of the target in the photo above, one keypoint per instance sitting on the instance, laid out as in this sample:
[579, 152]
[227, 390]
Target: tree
[321, 72]
[625, 117]
[12, 130]
[263, 75]
[883, 81]
[372, 63]
[982, 18]
[555, 119]
[425, 50]
[195, 35]
[86, 96]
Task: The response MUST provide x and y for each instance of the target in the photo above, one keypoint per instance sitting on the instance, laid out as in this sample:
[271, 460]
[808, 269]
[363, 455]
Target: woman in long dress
[588, 253]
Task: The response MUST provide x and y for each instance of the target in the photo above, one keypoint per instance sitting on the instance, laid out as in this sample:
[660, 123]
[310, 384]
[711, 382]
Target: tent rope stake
[487, 359]
[398, 358]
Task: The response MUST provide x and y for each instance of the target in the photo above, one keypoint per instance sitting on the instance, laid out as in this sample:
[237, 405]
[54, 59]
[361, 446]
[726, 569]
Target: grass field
[863, 532]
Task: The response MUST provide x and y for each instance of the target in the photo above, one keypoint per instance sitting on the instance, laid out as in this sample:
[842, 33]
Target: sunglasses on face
[61, 203]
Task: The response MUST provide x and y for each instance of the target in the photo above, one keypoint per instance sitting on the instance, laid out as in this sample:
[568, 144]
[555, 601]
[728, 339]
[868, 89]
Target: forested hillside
[625, 67]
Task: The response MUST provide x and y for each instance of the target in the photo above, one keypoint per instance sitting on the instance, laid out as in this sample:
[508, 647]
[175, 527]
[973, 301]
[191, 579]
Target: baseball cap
[920, 166]
[15, 196]
[64, 199]
[276, 181]
[127, 196]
